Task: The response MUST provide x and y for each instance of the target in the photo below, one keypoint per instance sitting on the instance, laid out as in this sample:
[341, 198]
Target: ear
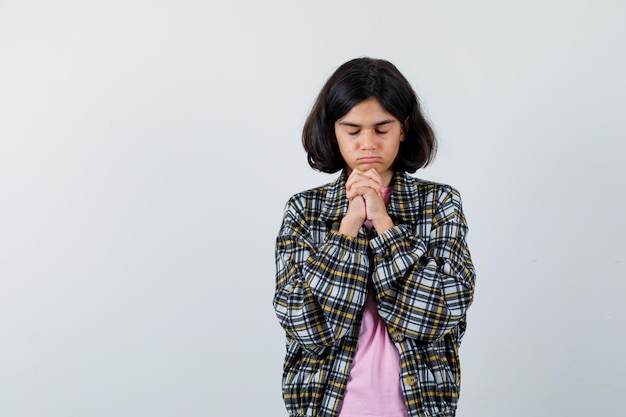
[405, 128]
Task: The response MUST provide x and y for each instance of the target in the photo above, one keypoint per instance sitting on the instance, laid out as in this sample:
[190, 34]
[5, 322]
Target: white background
[147, 149]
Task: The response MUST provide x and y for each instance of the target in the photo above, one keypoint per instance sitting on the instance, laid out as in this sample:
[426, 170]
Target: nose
[368, 139]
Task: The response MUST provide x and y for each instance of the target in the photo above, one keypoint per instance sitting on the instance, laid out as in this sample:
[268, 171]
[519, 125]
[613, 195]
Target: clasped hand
[365, 202]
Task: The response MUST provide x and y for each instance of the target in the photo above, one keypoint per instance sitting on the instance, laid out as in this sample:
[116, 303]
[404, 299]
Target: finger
[371, 177]
[375, 176]
[360, 188]
[366, 191]
[355, 176]
[351, 193]
[367, 182]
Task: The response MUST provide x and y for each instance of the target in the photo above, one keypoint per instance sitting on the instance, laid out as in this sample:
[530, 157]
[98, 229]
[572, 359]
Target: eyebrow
[350, 124]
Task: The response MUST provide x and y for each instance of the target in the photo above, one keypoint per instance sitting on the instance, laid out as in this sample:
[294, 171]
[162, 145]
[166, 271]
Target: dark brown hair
[350, 84]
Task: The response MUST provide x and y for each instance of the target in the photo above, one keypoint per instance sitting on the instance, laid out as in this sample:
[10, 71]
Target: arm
[425, 284]
[320, 288]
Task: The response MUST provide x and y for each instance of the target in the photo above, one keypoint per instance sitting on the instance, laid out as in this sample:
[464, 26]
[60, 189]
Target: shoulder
[311, 196]
[426, 190]
[314, 200]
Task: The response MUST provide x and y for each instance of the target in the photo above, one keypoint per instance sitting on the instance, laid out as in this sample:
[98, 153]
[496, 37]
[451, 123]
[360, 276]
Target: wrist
[383, 224]
[350, 226]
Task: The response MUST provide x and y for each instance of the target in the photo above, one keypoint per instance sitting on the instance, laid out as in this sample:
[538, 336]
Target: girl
[373, 273]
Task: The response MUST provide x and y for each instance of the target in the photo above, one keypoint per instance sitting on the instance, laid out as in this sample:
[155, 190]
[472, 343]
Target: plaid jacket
[424, 281]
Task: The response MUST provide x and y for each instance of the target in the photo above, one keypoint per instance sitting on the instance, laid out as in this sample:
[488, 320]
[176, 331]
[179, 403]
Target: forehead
[367, 111]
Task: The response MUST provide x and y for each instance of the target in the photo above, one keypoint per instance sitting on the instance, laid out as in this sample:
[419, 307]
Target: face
[369, 137]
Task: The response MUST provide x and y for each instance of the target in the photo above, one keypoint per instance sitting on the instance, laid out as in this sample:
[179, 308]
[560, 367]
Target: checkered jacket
[424, 282]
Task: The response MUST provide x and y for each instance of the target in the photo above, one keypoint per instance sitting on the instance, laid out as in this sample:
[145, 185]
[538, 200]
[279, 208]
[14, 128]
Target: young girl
[373, 273]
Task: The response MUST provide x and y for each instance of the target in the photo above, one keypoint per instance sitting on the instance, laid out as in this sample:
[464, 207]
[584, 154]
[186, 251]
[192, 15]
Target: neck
[386, 177]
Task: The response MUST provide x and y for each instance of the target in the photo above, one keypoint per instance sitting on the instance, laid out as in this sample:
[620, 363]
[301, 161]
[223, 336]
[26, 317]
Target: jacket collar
[403, 204]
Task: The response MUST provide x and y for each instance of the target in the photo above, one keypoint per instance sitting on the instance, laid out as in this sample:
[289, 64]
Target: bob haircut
[350, 84]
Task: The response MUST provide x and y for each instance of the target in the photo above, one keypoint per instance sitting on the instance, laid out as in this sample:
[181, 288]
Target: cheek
[393, 151]
[345, 145]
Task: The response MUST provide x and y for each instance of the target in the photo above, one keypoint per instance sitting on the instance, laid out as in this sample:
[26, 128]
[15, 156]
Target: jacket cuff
[358, 243]
[383, 243]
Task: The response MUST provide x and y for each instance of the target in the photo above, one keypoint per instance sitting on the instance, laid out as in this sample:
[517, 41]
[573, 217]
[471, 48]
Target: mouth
[368, 159]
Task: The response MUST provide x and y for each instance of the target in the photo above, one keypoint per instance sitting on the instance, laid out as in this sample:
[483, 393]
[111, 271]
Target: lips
[368, 159]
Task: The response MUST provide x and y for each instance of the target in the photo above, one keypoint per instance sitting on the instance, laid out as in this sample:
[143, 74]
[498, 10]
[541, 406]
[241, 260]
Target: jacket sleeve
[320, 287]
[425, 284]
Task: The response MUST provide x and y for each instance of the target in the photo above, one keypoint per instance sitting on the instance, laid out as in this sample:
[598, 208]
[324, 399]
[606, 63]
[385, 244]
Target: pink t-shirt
[374, 383]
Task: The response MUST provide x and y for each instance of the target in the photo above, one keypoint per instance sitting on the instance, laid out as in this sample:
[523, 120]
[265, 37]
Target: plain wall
[147, 150]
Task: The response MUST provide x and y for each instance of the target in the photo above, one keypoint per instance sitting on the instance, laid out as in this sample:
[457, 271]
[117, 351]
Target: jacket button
[411, 380]
[397, 336]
